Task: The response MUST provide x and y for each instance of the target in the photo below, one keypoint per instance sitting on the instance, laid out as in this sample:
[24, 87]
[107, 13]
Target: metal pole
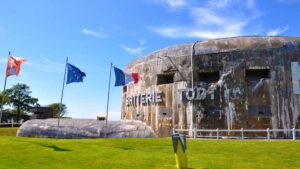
[268, 133]
[192, 81]
[192, 62]
[242, 133]
[294, 134]
[107, 101]
[61, 99]
[218, 134]
[5, 79]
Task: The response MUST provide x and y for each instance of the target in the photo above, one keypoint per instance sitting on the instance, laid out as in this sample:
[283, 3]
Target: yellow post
[179, 146]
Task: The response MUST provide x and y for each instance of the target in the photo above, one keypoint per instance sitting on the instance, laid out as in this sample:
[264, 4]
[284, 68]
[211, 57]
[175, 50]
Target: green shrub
[101, 118]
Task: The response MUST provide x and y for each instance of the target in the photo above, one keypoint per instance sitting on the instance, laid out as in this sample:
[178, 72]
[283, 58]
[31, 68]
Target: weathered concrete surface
[84, 128]
[249, 82]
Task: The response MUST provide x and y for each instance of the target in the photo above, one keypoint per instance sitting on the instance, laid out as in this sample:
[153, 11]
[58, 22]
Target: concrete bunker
[229, 83]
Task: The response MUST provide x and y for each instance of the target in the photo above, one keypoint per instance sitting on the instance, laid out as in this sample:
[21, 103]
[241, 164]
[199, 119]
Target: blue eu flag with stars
[74, 74]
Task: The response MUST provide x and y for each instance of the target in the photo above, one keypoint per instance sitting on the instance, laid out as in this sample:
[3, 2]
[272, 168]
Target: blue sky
[94, 33]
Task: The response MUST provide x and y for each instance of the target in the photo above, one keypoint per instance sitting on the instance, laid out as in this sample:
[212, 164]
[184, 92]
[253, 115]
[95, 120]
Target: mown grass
[34, 153]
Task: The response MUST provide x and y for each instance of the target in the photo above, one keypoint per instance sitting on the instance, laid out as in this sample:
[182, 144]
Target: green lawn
[34, 153]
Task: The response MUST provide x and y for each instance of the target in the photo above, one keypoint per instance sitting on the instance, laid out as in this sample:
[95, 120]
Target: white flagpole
[61, 99]
[106, 130]
[3, 90]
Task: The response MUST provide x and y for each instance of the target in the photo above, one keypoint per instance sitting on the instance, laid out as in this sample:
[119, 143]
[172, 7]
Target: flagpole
[107, 101]
[61, 99]
[5, 79]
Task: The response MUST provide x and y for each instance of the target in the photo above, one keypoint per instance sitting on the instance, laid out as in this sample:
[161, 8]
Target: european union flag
[74, 74]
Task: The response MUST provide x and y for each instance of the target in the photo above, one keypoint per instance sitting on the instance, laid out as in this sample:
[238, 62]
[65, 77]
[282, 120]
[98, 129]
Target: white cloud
[278, 31]
[219, 18]
[46, 65]
[142, 41]
[228, 31]
[206, 16]
[171, 32]
[94, 33]
[225, 3]
[214, 19]
[138, 50]
[218, 3]
[177, 3]
[181, 32]
[173, 3]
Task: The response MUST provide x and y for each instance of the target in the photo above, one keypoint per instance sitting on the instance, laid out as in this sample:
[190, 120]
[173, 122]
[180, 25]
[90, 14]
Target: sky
[95, 33]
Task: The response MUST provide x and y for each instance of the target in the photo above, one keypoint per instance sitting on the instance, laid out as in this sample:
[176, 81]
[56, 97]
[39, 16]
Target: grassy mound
[145, 153]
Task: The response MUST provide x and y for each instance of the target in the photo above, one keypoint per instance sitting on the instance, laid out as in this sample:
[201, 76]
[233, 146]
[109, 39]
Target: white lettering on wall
[199, 93]
[146, 98]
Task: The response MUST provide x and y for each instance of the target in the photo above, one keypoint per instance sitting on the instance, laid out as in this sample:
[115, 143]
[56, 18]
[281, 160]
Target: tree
[5, 101]
[59, 110]
[20, 99]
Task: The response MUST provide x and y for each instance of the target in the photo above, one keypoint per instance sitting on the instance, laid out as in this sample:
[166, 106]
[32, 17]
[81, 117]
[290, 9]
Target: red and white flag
[13, 65]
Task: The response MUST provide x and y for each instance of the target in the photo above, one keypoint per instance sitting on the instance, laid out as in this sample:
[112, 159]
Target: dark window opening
[137, 115]
[208, 77]
[257, 74]
[260, 113]
[164, 114]
[165, 78]
[259, 110]
[124, 89]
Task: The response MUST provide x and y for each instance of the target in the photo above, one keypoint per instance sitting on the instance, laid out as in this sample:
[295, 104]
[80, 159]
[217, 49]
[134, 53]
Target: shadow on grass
[54, 147]
[125, 148]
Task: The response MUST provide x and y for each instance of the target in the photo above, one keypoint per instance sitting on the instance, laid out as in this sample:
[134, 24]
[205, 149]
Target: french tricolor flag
[123, 78]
